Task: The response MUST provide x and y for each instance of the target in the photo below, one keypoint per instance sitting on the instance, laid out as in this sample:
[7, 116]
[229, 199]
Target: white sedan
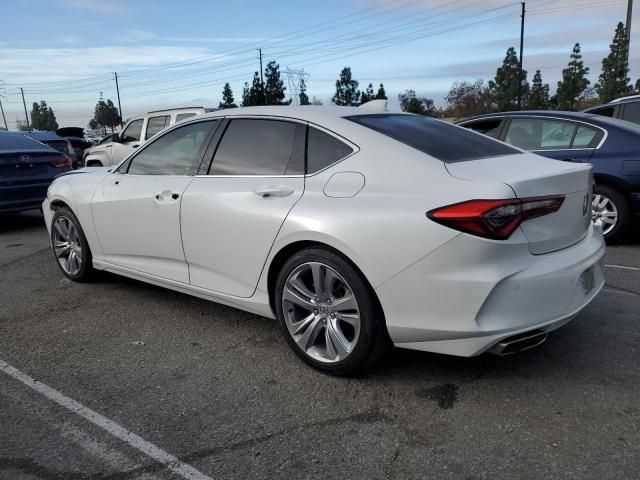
[355, 229]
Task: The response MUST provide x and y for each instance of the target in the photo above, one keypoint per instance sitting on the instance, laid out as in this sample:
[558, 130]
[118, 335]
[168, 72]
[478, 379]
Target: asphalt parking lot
[219, 390]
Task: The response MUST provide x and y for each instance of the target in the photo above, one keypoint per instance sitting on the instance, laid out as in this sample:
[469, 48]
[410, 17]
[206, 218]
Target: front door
[136, 210]
[129, 140]
[232, 215]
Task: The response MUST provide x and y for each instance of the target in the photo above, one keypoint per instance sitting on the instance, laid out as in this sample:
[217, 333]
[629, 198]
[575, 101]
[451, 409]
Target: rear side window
[441, 140]
[490, 128]
[324, 150]
[632, 112]
[182, 116]
[260, 147]
[540, 134]
[156, 124]
[586, 138]
[605, 111]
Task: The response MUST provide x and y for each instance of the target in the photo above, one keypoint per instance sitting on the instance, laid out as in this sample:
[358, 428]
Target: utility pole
[261, 78]
[627, 28]
[3, 117]
[25, 107]
[520, 59]
[118, 91]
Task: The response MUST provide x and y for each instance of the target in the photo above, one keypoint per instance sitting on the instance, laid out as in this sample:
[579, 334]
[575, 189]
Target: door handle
[273, 191]
[165, 194]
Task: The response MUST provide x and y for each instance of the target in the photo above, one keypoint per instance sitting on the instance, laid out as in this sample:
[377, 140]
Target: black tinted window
[490, 128]
[439, 139]
[259, 147]
[605, 111]
[156, 124]
[173, 153]
[59, 145]
[323, 150]
[632, 112]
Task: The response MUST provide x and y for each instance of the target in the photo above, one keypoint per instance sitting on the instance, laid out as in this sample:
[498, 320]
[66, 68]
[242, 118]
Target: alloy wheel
[604, 213]
[321, 312]
[66, 244]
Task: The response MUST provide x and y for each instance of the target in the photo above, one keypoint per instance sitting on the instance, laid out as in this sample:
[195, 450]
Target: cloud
[133, 36]
[110, 7]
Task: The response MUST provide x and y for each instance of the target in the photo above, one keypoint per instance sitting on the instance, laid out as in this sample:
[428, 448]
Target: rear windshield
[10, 141]
[435, 138]
[59, 145]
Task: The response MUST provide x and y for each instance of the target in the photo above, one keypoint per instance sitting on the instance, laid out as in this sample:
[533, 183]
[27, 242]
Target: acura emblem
[25, 158]
[585, 204]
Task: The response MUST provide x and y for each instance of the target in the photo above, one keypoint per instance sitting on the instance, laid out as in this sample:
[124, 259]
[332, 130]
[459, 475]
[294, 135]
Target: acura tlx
[356, 229]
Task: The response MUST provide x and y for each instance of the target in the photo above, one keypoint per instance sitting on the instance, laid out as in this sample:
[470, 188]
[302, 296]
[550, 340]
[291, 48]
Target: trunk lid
[531, 175]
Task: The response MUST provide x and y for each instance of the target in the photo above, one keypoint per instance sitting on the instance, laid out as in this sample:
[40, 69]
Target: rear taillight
[64, 161]
[495, 219]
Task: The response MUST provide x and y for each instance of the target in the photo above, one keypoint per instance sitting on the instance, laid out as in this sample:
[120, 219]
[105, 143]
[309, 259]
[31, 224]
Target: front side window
[632, 112]
[540, 134]
[132, 132]
[173, 153]
[440, 140]
[490, 128]
[259, 147]
[156, 124]
[324, 150]
[106, 140]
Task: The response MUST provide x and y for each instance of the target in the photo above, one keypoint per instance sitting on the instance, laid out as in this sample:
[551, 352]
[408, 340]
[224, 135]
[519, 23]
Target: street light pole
[520, 59]
[627, 29]
[24, 104]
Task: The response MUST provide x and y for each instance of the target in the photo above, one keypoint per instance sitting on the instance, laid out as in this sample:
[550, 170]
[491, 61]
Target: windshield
[441, 140]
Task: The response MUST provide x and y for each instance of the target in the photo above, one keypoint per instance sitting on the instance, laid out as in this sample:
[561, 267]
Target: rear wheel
[328, 313]
[610, 212]
[70, 246]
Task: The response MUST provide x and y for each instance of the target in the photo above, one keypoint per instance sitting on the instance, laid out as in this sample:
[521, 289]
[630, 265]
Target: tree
[411, 103]
[106, 114]
[573, 83]
[303, 97]
[227, 97]
[274, 85]
[23, 126]
[466, 99]
[347, 93]
[506, 85]
[43, 118]
[254, 95]
[539, 95]
[613, 81]
[381, 95]
[93, 124]
[316, 101]
[367, 95]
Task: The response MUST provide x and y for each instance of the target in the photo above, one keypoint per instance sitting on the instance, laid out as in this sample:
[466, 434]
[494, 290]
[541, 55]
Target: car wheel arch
[613, 182]
[287, 251]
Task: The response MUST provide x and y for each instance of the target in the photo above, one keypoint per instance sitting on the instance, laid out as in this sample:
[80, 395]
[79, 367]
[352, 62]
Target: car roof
[628, 99]
[41, 136]
[310, 113]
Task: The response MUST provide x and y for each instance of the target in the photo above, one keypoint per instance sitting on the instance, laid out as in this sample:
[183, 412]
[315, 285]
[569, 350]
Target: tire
[66, 229]
[344, 331]
[610, 204]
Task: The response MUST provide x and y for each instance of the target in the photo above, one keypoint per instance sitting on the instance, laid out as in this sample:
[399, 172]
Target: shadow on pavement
[13, 222]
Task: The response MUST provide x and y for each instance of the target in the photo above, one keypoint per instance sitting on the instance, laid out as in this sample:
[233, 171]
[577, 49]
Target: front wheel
[328, 313]
[70, 246]
[610, 212]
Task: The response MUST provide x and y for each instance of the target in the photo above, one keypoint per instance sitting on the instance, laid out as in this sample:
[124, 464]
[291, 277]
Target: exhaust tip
[519, 343]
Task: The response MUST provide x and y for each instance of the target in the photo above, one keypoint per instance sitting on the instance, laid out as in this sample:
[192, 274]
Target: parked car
[56, 142]
[352, 228]
[112, 149]
[611, 146]
[27, 168]
[625, 108]
[75, 135]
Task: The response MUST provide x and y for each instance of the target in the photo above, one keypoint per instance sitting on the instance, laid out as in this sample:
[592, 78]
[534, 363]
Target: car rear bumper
[14, 199]
[469, 294]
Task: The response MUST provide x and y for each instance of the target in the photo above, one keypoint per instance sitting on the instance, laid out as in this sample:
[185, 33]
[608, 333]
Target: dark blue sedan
[27, 168]
[611, 145]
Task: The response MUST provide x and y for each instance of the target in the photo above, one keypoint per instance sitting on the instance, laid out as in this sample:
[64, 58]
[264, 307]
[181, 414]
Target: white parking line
[622, 267]
[149, 449]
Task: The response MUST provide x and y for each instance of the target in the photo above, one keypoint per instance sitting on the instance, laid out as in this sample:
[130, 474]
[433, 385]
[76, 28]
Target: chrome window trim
[549, 117]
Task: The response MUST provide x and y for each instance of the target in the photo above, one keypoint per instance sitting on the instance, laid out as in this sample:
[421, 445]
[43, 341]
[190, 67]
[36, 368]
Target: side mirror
[115, 138]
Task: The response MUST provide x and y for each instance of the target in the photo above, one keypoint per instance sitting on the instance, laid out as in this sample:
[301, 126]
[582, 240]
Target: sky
[170, 54]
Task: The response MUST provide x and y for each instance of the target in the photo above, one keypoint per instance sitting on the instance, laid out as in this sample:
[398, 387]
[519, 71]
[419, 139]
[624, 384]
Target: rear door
[232, 213]
[136, 211]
